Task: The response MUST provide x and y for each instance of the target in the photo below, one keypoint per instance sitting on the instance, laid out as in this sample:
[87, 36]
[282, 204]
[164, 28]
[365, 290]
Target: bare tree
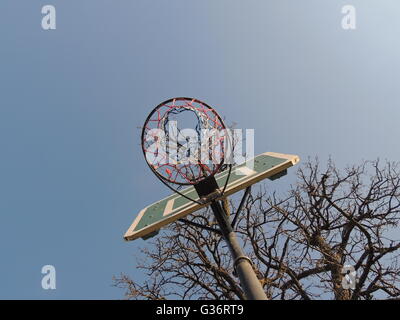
[300, 244]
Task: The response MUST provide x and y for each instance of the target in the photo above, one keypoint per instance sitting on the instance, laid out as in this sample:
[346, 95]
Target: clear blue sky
[72, 176]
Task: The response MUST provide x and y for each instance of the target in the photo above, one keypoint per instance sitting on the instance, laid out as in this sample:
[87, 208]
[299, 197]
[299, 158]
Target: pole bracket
[210, 197]
[236, 262]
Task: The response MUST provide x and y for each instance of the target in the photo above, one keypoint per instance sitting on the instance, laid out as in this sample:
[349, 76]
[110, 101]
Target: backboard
[149, 220]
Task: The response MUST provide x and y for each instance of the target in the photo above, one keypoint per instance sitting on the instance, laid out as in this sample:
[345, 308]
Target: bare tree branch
[299, 242]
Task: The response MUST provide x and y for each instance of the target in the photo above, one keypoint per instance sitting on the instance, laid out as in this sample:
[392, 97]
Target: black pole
[242, 264]
[208, 192]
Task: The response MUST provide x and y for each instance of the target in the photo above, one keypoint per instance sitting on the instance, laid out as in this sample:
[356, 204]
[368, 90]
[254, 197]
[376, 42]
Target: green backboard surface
[267, 165]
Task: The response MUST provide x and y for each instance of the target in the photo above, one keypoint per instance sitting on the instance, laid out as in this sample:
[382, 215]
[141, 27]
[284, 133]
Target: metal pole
[243, 267]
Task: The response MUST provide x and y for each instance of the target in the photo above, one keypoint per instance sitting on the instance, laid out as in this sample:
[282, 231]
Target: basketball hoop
[185, 142]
